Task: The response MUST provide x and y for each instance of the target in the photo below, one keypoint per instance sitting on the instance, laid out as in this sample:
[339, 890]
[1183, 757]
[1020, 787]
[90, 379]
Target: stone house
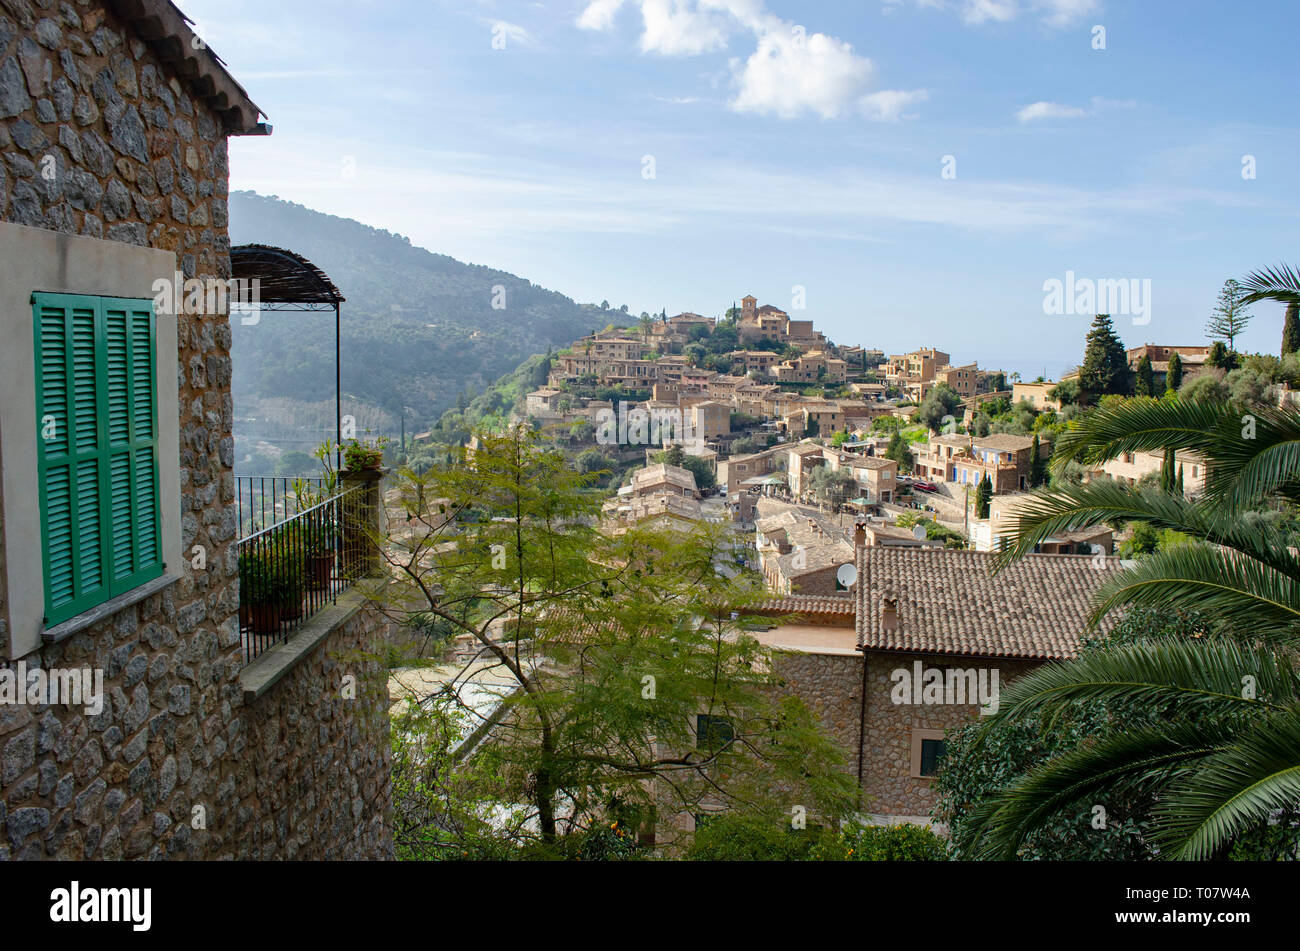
[1193, 359]
[801, 553]
[914, 615]
[663, 478]
[544, 402]
[876, 476]
[989, 534]
[736, 470]
[1131, 467]
[118, 536]
[1036, 395]
[964, 460]
[962, 379]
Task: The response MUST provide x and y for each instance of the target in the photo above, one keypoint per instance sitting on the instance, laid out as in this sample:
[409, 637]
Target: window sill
[75, 625]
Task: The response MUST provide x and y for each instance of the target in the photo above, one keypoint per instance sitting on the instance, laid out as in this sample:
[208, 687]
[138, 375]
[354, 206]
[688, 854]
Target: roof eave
[168, 32]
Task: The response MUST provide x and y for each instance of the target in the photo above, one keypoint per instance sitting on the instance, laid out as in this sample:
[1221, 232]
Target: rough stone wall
[301, 772]
[831, 686]
[315, 781]
[97, 137]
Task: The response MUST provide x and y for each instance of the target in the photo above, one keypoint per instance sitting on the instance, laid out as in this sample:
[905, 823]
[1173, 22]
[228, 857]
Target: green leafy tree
[1105, 365]
[1221, 357]
[834, 488]
[898, 451]
[942, 401]
[1231, 314]
[576, 621]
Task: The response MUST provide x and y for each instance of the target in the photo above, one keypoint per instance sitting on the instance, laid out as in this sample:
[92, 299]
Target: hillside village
[689, 588]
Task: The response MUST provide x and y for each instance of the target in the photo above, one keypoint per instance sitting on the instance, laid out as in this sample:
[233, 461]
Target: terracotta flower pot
[320, 568]
[291, 606]
[264, 618]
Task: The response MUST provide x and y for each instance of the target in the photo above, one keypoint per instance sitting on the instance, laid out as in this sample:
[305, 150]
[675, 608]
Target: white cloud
[1055, 110]
[790, 73]
[1049, 110]
[679, 28]
[599, 15]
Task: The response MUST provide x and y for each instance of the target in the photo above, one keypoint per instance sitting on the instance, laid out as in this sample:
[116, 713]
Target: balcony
[296, 565]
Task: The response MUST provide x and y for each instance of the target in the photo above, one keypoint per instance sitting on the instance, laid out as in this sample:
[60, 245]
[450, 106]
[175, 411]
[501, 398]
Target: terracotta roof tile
[950, 602]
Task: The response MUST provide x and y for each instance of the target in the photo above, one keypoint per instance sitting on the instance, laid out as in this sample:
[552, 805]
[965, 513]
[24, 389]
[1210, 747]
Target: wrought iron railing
[291, 570]
[267, 500]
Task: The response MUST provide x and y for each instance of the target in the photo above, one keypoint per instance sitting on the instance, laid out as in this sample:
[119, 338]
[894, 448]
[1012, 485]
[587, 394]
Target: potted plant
[261, 592]
[288, 560]
[368, 454]
[320, 529]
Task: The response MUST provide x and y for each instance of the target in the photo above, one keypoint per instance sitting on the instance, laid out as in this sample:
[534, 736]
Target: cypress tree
[983, 495]
[1291, 330]
[1174, 378]
[1037, 465]
[1144, 383]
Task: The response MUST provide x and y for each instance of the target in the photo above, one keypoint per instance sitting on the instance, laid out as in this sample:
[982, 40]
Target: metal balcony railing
[292, 569]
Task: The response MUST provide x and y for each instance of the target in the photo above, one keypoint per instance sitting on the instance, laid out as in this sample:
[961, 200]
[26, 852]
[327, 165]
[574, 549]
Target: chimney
[888, 614]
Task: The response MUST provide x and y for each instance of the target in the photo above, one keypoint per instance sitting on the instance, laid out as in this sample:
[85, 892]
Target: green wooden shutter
[96, 417]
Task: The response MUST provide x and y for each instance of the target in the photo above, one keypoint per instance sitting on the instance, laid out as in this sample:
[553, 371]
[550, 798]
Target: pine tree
[1144, 382]
[1167, 480]
[1291, 330]
[1105, 365]
[1174, 378]
[1230, 314]
[983, 495]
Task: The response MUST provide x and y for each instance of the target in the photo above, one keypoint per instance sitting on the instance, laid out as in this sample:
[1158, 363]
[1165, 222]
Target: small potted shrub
[288, 560]
[261, 593]
[359, 455]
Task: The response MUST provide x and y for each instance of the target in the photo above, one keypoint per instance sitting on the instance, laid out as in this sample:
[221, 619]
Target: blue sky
[800, 145]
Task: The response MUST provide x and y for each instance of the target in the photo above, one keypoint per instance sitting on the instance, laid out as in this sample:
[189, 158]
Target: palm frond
[1255, 453]
[1240, 591]
[1281, 284]
[1233, 790]
[999, 826]
[1140, 425]
[1073, 507]
[1180, 676]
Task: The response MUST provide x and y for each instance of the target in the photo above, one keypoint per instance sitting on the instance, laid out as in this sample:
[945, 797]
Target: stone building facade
[911, 612]
[114, 120]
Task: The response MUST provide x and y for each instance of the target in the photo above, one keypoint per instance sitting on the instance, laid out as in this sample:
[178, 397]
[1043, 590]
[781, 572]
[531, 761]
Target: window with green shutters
[97, 448]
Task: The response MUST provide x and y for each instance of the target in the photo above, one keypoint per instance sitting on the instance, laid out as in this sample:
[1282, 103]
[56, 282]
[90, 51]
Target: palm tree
[1281, 284]
[1216, 739]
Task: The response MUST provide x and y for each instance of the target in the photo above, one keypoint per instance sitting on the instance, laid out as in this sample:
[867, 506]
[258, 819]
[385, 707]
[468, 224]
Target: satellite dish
[920, 532]
[847, 575]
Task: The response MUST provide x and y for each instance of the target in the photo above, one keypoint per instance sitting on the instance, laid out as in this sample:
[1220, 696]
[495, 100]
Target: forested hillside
[418, 328]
